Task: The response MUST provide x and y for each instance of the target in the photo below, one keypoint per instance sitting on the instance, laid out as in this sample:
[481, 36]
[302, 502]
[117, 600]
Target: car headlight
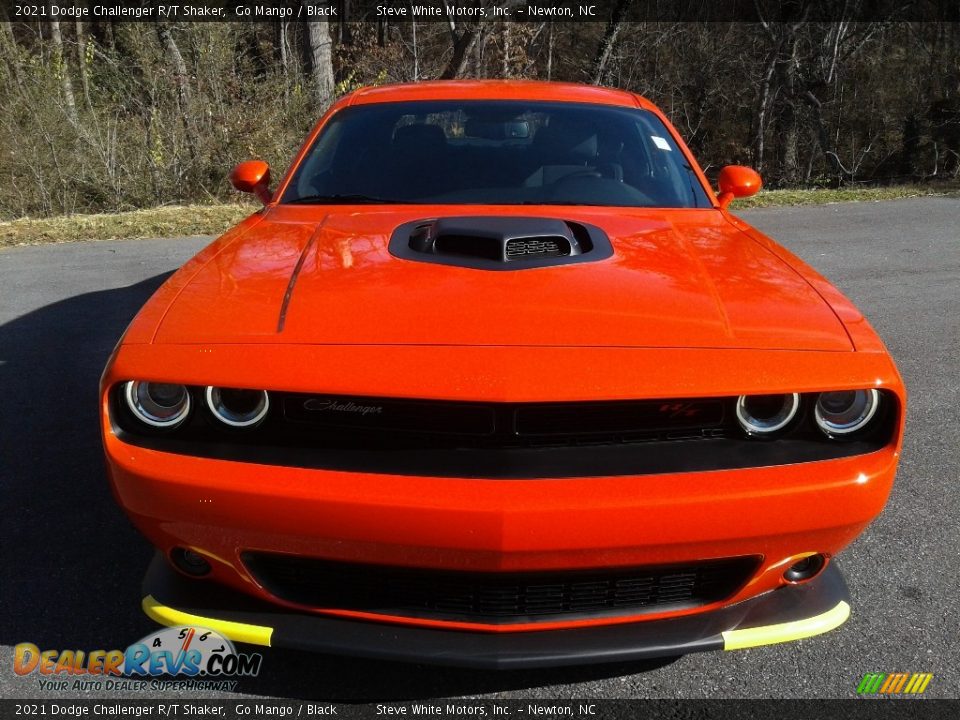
[238, 408]
[161, 405]
[846, 411]
[761, 415]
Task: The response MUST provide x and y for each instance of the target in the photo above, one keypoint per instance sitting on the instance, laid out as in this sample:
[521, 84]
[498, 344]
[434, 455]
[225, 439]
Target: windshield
[497, 153]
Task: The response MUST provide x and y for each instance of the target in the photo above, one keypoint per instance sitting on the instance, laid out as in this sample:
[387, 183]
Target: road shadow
[71, 564]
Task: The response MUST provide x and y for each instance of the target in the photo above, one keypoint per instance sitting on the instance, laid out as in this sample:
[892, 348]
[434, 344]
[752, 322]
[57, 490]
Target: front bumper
[222, 510]
[790, 613]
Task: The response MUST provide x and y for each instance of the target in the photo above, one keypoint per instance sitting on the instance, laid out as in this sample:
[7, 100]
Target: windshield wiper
[350, 199]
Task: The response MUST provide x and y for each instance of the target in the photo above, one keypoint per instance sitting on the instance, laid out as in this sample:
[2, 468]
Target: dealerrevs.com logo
[203, 656]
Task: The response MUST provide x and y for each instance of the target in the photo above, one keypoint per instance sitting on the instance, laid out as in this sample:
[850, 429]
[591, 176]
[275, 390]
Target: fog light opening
[190, 562]
[806, 569]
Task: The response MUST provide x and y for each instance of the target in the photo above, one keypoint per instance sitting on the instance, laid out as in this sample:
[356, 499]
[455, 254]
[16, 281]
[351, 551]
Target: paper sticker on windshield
[660, 142]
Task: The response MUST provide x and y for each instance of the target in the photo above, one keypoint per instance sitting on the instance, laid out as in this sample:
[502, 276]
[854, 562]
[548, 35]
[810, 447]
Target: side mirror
[253, 176]
[737, 181]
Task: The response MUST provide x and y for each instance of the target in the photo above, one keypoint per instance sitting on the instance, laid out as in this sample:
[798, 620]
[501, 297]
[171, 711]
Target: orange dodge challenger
[495, 379]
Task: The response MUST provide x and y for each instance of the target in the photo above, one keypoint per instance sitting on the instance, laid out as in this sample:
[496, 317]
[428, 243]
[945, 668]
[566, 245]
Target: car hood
[677, 278]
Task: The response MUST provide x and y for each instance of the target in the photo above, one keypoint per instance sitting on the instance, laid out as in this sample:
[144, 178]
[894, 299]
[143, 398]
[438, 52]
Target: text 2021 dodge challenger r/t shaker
[494, 379]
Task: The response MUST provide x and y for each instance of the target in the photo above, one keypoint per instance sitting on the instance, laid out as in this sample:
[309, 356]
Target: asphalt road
[70, 564]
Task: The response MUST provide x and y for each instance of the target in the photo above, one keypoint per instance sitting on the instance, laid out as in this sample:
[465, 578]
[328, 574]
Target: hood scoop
[499, 243]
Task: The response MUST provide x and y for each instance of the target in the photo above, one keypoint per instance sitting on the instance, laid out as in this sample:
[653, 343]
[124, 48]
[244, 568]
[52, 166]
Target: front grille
[377, 415]
[599, 419]
[440, 438]
[496, 598]
[506, 425]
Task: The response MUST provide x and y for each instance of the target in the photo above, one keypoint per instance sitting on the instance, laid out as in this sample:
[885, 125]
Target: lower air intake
[497, 598]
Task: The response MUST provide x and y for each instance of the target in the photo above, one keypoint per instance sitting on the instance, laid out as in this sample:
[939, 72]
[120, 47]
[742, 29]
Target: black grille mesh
[496, 597]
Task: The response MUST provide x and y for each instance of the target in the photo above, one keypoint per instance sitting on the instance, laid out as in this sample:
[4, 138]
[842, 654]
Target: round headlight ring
[758, 426]
[160, 405]
[845, 412]
[255, 410]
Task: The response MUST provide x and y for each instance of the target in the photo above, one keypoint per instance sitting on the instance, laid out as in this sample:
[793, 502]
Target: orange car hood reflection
[678, 278]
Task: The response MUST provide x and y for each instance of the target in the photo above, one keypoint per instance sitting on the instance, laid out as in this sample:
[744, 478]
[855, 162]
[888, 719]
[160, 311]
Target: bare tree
[462, 41]
[82, 62]
[319, 59]
[614, 25]
[63, 70]
[181, 78]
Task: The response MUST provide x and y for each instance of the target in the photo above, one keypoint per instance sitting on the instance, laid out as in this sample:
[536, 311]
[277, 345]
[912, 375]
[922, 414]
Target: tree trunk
[280, 48]
[63, 69]
[82, 63]
[764, 107]
[346, 37]
[550, 52]
[789, 158]
[319, 59]
[8, 44]
[182, 79]
[416, 51]
[609, 40]
[463, 42]
[787, 122]
[505, 58]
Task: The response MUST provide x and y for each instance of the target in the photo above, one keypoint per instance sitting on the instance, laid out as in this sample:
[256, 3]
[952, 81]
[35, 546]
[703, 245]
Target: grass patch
[181, 221]
[779, 198]
[168, 221]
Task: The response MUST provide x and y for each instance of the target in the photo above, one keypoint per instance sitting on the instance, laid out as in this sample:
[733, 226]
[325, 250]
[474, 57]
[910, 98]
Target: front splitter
[790, 613]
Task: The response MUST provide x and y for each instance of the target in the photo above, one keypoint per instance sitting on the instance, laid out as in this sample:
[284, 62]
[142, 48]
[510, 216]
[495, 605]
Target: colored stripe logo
[894, 683]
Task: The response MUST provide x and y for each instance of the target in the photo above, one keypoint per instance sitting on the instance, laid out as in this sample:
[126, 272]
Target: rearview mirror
[737, 181]
[253, 176]
[487, 130]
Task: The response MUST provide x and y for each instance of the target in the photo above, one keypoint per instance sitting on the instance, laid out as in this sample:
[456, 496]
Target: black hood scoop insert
[499, 242]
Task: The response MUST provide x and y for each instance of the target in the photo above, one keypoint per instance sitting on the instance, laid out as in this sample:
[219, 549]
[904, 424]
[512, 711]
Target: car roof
[497, 90]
